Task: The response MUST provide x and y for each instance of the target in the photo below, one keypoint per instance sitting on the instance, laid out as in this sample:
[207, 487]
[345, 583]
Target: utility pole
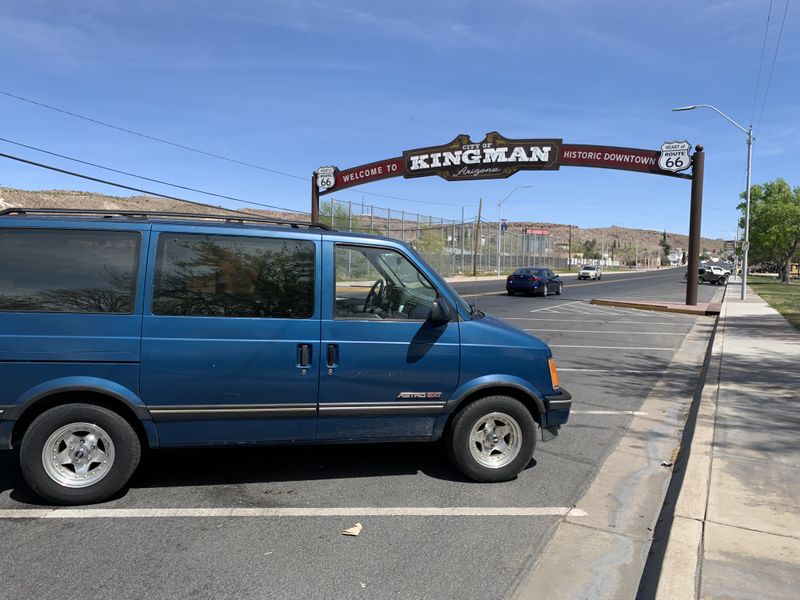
[569, 249]
[475, 240]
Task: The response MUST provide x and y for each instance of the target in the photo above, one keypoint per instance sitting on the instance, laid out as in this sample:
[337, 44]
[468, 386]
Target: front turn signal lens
[553, 372]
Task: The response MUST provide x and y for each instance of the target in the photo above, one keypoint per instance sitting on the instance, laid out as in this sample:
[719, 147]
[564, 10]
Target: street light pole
[746, 265]
[750, 139]
[500, 221]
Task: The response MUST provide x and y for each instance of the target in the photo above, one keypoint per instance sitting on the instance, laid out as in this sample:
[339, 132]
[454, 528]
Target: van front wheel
[78, 454]
[492, 439]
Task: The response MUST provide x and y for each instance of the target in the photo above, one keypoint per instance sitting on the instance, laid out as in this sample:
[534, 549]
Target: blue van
[126, 330]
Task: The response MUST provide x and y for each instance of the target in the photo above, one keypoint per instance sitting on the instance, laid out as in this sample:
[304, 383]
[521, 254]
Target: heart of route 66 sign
[675, 156]
[326, 177]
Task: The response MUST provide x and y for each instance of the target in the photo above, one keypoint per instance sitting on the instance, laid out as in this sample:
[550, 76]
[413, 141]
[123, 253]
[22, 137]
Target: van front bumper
[558, 407]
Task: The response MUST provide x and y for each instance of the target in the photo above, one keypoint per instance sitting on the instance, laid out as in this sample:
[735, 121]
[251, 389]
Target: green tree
[774, 224]
[334, 214]
[589, 249]
[430, 241]
[665, 249]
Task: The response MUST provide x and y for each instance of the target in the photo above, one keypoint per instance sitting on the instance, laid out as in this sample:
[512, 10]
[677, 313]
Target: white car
[590, 272]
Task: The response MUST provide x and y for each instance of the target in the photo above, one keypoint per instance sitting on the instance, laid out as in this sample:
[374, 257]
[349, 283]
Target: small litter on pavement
[666, 463]
[354, 530]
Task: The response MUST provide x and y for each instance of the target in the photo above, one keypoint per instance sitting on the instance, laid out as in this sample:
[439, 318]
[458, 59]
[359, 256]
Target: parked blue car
[534, 280]
[121, 331]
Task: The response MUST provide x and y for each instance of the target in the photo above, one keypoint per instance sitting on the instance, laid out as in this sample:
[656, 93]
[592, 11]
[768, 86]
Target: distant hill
[625, 237]
[620, 238]
[10, 197]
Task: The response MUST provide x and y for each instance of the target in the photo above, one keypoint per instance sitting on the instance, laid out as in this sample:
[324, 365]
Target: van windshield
[463, 304]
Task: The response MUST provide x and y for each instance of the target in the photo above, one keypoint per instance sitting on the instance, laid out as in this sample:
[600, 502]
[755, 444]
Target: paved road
[608, 358]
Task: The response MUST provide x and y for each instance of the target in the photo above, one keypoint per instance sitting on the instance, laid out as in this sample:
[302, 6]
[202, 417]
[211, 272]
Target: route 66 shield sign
[326, 177]
[675, 156]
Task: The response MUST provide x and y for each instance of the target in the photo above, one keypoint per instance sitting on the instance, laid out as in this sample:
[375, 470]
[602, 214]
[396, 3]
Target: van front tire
[78, 454]
[492, 439]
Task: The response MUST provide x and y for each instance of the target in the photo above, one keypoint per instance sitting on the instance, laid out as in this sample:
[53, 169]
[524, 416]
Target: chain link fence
[452, 247]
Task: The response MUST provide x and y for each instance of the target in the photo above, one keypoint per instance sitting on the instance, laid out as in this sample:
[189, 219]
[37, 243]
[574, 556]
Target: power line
[159, 181]
[200, 151]
[106, 182]
[151, 137]
[761, 62]
[772, 67]
[150, 192]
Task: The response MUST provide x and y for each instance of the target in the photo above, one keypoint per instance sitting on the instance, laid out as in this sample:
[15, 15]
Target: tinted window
[229, 276]
[47, 270]
[528, 272]
[588, 268]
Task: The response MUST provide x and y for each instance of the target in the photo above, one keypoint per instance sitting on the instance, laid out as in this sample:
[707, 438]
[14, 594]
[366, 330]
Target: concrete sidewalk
[736, 526]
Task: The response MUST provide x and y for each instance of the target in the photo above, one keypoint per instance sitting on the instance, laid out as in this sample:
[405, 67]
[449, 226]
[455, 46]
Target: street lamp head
[519, 187]
[680, 108]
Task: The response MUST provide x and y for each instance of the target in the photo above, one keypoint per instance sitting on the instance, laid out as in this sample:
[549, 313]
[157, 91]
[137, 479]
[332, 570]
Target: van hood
[492, 331]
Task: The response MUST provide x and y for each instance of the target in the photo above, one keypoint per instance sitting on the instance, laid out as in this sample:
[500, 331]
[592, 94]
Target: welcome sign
[495, 157]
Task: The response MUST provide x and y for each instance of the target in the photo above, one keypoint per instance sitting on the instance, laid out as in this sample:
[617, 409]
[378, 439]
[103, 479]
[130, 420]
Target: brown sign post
[497, 157]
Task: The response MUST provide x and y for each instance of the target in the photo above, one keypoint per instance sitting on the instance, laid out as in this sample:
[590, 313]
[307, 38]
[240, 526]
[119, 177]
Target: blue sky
[296, 85]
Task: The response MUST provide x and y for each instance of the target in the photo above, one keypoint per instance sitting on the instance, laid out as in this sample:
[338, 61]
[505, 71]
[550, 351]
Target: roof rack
[144, 214]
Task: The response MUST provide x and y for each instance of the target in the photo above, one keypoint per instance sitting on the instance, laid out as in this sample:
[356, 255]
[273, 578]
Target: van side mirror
[440, 312]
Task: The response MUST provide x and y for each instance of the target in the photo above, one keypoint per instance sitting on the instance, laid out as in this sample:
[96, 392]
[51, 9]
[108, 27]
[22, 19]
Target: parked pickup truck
[713, 274]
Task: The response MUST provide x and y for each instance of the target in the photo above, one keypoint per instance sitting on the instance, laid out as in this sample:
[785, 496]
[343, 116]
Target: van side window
[68, 270]
[233, 276]
[378, 283]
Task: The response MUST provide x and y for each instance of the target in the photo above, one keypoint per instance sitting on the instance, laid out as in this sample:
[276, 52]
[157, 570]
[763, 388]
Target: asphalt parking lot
[267, 522]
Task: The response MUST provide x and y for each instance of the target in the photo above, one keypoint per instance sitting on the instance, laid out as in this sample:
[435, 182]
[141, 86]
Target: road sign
[675, 156]
[326, 177]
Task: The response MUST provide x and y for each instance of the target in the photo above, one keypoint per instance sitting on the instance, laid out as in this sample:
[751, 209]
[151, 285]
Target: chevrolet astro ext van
[123, 331]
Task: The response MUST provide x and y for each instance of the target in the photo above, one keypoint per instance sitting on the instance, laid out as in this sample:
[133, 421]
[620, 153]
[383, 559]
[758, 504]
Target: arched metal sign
[497, 157]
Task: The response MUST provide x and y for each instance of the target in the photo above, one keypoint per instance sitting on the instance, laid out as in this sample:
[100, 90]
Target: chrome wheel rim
[495, 440]
[78, 455]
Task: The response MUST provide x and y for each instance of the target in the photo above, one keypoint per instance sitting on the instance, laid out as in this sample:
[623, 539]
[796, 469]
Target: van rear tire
[492, 439]
[78, 454]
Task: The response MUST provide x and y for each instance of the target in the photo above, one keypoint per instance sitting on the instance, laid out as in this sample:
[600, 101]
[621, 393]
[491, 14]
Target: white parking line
[611, 347]
[556, 306]
[608, 412]
[621, 322]
[574, 310]
[397, 511]
[616, 371]
[602, 332]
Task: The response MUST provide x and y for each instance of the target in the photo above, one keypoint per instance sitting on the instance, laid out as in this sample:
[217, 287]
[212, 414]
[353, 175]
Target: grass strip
[785, 298]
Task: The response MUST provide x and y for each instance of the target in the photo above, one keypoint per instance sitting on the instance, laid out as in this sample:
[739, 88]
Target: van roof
[139, 216]
[160, 216]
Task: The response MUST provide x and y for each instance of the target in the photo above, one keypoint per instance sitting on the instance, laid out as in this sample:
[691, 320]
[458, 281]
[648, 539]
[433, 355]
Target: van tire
[98, 434]
[481, 455]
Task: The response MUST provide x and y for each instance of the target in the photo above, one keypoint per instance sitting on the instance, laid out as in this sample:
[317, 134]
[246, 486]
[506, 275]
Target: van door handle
[333, 355]
[303, 355]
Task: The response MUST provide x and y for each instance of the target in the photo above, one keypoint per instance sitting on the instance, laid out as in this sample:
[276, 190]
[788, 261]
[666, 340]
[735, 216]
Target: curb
[673, 570]
[709, 309]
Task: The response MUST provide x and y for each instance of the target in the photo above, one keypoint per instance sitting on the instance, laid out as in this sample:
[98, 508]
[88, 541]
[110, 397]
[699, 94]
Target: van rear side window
[68, 271]
[231, 276]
